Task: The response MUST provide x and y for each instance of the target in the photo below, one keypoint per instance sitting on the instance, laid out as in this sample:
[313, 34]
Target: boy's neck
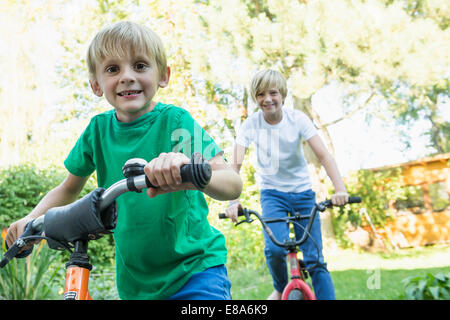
[274, 118]
[130, 117]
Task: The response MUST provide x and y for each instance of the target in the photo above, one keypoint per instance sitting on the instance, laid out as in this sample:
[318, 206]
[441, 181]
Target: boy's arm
[238, 157]
[340, 197]
[225, 183]
[164, 172]
[236, 164]
[63, 194]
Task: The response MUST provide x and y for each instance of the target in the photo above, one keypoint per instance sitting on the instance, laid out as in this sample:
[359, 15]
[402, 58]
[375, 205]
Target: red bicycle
[297, 288]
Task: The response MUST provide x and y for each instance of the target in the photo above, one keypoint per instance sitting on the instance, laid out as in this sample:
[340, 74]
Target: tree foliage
[370, 46]
[388, 50]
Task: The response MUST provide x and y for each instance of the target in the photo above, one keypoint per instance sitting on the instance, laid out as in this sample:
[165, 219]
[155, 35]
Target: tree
[413, 103]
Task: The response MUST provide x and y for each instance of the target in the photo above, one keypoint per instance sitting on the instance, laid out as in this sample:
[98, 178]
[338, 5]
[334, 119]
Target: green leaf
[434, 292]
[444, 293]
[441, 277]
[410, 293]
[422, 284]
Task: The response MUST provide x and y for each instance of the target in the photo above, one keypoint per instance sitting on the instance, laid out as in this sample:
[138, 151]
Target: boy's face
[129, 84]
[270, 101]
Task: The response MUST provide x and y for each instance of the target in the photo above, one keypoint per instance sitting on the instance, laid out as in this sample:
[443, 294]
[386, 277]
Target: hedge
[23, 186]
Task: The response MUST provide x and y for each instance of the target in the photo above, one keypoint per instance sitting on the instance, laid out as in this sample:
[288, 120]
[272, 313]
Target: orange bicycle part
[77, 280]
[77, 273]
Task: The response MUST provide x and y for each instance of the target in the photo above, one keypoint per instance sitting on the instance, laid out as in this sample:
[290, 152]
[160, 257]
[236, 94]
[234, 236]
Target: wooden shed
[423, 218]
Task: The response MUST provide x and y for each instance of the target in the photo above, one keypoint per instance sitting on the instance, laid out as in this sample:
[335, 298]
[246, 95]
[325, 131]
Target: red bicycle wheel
[297, 290]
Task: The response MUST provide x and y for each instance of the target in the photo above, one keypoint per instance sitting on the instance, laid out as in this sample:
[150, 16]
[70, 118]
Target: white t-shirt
[281, 163]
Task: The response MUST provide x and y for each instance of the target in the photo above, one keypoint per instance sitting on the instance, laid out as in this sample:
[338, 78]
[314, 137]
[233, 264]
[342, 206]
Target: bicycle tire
[291, 292]
[296, 294]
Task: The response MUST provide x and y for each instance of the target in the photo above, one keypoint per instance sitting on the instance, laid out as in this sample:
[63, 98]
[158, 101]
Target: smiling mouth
[129, 93]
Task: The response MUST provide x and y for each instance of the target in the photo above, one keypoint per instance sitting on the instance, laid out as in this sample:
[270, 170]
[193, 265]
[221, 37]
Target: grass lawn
[381, 284]
[356, 275]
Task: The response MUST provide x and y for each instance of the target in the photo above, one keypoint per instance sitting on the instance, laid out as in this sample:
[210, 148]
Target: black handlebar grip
[354, 200]
[198, 172]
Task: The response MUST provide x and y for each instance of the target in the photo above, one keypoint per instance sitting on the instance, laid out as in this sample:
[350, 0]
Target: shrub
[429, 287]
[23, 186]
[376, 188]
[102, 286]
[30, 278]
[21, 189]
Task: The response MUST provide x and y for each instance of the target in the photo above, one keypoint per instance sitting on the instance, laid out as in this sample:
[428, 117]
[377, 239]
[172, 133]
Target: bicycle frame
[297, 281]
[77, 284]
[77, 274]
[297, 278]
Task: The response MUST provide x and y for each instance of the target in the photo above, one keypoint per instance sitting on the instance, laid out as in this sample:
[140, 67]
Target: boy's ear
[96, 87]
[164, 79]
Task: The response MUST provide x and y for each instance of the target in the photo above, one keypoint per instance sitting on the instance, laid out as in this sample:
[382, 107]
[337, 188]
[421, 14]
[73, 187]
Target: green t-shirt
[160, 242]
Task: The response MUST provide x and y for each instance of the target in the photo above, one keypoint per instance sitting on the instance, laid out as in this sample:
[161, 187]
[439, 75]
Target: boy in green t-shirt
[165, 247]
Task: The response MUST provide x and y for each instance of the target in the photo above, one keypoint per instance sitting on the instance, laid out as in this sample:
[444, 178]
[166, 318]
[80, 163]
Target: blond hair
[125, 37]
[267, 79]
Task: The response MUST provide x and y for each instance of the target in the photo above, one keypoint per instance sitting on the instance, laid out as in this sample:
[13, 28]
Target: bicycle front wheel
[296, 294]
[298, 290]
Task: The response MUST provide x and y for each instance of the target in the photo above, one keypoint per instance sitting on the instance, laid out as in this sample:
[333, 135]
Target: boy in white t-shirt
[284, 179]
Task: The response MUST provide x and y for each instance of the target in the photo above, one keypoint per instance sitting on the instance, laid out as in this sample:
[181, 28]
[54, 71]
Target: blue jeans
[211, 284]
[276, 204]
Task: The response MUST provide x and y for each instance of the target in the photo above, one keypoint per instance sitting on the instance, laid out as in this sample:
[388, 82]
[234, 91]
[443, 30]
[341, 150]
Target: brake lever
[247, 218]
[322, 206]
[17, 246]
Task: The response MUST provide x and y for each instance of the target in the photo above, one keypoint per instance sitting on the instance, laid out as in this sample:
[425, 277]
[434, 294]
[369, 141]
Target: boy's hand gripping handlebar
[198, 172]
[96, 213]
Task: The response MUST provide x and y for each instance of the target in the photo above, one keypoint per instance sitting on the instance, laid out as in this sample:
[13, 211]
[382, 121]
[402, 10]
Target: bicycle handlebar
[326, 203]
[198, 172]
[321, 206]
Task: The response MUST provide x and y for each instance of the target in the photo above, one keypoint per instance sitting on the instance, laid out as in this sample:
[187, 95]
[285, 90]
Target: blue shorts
[211, 284]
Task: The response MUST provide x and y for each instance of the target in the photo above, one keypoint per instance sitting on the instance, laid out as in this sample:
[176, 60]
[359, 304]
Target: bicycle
[71, 227]
[297, 288]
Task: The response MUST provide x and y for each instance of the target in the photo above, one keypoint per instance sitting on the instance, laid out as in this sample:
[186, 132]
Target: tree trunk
[436, 131]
